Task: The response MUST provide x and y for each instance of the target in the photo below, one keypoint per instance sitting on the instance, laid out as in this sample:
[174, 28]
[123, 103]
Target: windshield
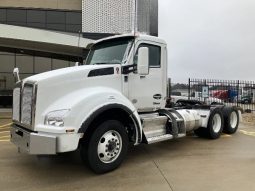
[110, 52]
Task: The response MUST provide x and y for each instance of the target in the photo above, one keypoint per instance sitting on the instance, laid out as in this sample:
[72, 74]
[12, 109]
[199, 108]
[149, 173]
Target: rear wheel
[106, 147]
[215, 124]
[231, 120]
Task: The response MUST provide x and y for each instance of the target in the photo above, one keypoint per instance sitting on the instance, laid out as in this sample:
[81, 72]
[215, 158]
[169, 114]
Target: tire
[215, 124]
[231, 120]
[106, 148]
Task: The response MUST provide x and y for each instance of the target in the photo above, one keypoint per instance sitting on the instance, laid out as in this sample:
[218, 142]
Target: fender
[99, 111]
[85, 104]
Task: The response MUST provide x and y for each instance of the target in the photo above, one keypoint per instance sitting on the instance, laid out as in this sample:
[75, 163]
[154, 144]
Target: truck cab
[124, 51]
[115, 99]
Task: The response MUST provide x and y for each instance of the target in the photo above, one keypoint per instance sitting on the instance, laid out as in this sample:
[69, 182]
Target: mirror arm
[129, 69]
[16, 74]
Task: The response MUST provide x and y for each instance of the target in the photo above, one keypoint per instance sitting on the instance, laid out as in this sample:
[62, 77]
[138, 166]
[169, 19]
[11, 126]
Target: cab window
[154, 55]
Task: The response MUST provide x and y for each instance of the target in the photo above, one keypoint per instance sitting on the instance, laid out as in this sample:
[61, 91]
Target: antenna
[135, 23]
[79, 39]
[135, 17]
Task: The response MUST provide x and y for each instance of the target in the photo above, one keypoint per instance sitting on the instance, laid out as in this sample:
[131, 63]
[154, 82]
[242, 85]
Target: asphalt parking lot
[186, 164]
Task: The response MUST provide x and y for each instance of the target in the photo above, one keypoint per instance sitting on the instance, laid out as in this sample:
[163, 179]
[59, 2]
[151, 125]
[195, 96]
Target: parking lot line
[5, 129]
[5, 117]
[2, 132]
[225, 135]
[6, 125]
[250, 133]
[6, 136]
[7, 140]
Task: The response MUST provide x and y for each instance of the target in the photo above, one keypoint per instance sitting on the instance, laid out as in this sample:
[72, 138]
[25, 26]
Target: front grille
[26, 105]
[16, 104]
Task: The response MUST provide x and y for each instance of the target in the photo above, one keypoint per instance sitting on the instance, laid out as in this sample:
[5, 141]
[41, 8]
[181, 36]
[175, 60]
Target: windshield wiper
[101, 63]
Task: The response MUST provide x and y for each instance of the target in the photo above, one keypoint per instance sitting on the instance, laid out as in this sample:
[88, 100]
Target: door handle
[142, 77]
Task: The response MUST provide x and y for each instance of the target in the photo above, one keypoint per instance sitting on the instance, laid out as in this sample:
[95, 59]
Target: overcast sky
[212, 39]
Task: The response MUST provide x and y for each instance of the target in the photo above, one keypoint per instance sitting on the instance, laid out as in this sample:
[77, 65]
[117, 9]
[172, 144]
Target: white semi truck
[116, 99]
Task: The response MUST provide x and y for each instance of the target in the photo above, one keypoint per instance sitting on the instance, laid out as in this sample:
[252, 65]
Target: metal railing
[229, 92]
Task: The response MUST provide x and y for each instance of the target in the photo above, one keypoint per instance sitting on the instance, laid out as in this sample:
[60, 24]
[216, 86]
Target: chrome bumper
[33, 143]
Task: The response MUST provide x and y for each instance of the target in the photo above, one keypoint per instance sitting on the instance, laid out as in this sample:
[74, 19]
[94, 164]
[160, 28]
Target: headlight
[56, 118]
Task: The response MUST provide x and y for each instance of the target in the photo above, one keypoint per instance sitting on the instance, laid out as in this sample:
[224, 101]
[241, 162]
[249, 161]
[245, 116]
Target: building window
[29, 64]
[42, 64]
[55, 17]
[36, 16]
[73, 18]
[16, 15]
[25, 64]
[3, 15]
[67, 21]
[57, 64]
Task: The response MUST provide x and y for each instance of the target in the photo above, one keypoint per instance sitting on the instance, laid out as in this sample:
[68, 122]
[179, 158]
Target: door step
[155, 133]
[157, 128]
[153, 122]
[159, 138]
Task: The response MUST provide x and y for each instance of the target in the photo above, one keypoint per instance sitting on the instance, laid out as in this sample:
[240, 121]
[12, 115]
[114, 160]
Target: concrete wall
[50, 4]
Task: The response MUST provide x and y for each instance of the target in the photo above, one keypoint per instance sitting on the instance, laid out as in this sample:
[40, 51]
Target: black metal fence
[228, 92]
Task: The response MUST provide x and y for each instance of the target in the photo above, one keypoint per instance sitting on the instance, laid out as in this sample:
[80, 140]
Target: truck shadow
[68, 167]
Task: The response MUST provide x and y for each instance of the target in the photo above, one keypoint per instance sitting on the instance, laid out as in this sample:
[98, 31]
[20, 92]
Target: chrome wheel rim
[216, 123]
[233, 120]
[109, 146]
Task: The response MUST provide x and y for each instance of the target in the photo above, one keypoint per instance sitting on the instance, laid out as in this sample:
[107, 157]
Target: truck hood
[70, 72]
[64, 88]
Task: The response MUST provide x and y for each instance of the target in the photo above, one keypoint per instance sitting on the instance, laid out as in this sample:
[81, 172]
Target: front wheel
[107, 147]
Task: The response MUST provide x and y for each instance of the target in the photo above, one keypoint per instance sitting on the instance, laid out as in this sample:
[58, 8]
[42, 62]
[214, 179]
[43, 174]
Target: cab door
[147, 92]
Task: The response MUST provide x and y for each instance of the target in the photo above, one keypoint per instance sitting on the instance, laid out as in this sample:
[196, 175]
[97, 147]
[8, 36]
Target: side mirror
[143, 61]
[16, 74]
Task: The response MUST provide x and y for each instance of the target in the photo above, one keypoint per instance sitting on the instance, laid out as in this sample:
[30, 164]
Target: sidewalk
[249, 118]
[5, 114]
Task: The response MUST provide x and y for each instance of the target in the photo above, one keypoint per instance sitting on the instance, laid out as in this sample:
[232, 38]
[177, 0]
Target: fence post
[238, 85]
[189, 90]
[205, 85]
[169, 88]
